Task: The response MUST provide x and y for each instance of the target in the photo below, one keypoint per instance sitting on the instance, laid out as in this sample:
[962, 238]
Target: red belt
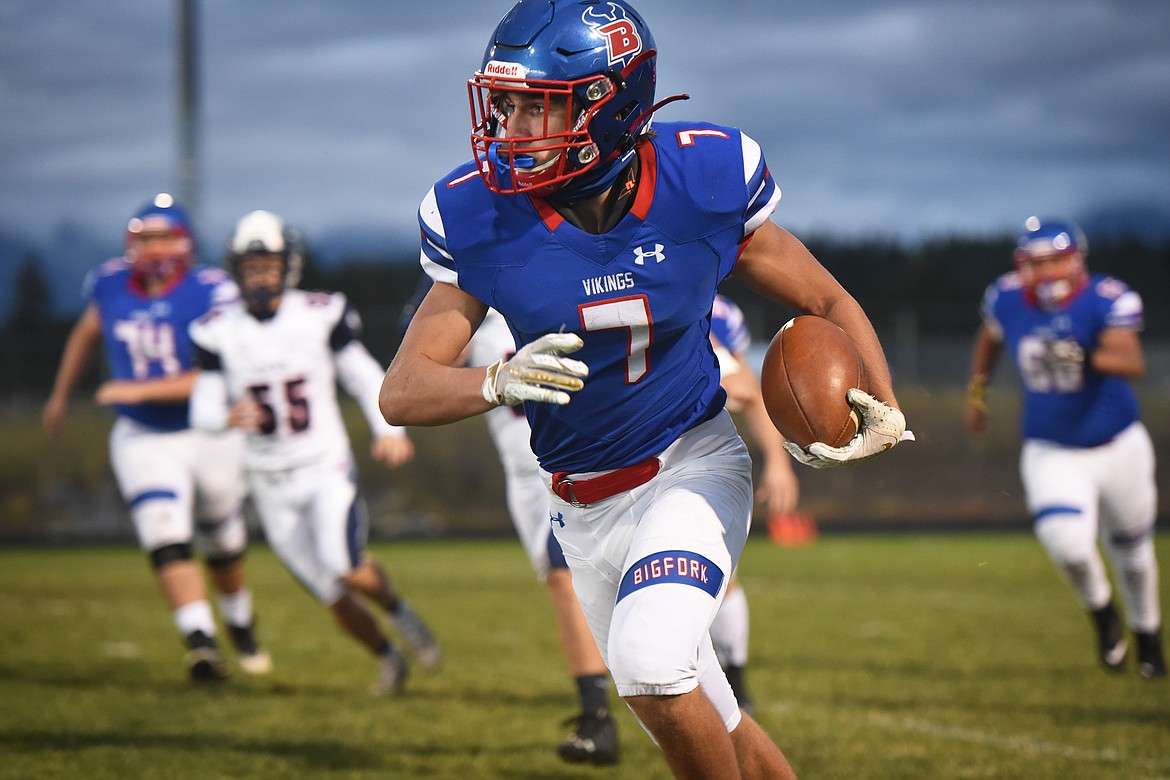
[583, 492]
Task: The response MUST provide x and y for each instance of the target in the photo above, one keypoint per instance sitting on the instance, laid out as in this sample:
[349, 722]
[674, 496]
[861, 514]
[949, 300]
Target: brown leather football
[808, 369]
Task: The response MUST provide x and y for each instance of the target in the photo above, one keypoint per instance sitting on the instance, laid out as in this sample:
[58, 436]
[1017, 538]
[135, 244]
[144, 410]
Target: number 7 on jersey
[631, 314]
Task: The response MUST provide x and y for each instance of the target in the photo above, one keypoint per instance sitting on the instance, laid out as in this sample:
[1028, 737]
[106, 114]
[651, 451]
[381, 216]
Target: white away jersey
[290, 365]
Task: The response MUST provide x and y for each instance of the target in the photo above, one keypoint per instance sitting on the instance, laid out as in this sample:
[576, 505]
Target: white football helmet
[264, 233]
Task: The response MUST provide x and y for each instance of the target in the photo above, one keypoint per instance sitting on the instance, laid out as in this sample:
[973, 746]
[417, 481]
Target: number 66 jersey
[1067, 402]
[289, 364]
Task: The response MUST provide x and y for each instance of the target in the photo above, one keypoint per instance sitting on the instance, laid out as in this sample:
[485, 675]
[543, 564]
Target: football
[809, 367]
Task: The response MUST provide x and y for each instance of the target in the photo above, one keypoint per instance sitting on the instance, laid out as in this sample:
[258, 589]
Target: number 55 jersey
[289, 365]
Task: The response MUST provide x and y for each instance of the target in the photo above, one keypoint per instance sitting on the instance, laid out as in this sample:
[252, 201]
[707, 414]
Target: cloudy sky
[902, 117]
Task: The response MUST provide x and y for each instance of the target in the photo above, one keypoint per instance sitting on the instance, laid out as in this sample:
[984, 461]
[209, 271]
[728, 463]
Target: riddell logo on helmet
[621, 36]
[506, 69]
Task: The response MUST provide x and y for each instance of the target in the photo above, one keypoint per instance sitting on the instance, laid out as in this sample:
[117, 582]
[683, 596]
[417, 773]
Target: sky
[903, 118]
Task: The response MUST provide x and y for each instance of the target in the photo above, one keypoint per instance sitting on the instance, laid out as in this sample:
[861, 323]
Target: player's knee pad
[221, 562]
[1133, 552]
[170, 553]
[224, 539]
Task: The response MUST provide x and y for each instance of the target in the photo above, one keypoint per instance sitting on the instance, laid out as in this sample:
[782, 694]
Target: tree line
[939, 283]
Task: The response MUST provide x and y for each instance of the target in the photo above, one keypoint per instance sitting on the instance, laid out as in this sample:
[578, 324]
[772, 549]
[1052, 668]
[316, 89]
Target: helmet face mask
[159, 245]
[591, 67]
[1050, 260]
[515, 162]
[260, 238]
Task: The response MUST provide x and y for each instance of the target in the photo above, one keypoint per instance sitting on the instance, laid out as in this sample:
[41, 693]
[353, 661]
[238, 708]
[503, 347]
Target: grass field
[925, 656]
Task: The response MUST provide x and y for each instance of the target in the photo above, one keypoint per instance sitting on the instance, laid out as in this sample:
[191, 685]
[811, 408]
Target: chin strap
[603, 176]
[260, 302]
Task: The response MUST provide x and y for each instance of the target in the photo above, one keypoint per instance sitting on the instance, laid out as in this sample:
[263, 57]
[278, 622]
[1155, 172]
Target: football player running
[1087, 462]
[184, 487]
[270, 368]
[594, 736]
[595, 237]
[778, 490]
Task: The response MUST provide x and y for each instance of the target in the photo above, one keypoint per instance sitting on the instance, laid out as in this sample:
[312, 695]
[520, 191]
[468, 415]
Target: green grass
[924, 656]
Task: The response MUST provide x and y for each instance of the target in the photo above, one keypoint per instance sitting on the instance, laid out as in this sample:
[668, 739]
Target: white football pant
[314, 521]
[650, 566]
[1077, 494]
[528, 497]
[171, 478]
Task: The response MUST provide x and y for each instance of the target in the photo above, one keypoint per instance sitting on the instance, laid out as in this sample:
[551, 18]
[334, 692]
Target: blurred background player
[594, 737]
[141, 305]
[777, 488]
[1087, 461]
[271, 368]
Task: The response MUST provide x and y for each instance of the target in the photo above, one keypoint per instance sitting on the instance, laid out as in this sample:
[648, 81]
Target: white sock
[236, 608]
[729, 630]
[195, 616]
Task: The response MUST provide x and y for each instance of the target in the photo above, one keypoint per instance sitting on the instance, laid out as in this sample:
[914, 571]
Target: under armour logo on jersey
[557, 518]
[642, 254]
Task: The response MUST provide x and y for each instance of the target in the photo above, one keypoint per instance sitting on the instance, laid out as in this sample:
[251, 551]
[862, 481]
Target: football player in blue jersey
[594, 236]
[176, 481]
[1087, 462]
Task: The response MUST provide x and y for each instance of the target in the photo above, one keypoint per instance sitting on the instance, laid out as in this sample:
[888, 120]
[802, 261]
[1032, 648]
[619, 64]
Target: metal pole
[188, 34]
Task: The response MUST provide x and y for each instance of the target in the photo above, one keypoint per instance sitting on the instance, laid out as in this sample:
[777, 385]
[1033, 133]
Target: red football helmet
[1050, 259]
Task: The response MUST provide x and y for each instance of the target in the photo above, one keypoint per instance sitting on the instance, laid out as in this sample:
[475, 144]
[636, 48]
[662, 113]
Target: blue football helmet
[1050, 260]
[151, 258]
[592, 63]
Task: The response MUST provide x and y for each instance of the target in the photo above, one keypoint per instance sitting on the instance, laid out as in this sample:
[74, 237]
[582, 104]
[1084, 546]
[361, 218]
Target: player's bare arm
[78, 351]
[1119, 352]
[777, 265]
[423, 385]
[167, 389]
[984, 356]
[777, 486]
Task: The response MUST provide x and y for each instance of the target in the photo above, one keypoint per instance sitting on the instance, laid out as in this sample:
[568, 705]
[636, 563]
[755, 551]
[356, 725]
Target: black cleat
[1151, 662]
[1111, 646]
[417, 635]
[251, 658]
[392, 673]
[594, 740]
[204, 662]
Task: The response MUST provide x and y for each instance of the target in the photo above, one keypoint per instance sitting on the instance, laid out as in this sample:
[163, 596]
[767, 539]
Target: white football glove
[537, 372]
[881, 428]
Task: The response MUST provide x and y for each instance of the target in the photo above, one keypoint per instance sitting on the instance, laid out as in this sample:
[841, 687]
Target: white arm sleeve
[361, 376]
[209, 402]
